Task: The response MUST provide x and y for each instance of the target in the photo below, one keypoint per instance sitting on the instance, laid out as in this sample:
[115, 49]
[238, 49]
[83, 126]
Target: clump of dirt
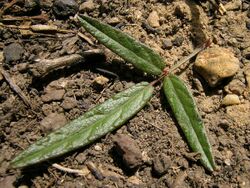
[173, 29]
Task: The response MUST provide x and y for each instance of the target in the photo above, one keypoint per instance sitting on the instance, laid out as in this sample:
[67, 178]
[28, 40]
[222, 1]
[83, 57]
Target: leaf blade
[125, 46]
[186, 113]
[88, 127]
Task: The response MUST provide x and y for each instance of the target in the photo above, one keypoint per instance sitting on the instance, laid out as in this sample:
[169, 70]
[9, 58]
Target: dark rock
[161, 164]
[65, 8]
[167, 44]
[129, 150]
[178, 41]
[13, 52]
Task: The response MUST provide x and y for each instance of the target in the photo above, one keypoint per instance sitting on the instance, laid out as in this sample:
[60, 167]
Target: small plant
[114, 112]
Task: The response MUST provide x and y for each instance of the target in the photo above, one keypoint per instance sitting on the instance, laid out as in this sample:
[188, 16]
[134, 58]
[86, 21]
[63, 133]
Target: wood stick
[15, 87]
[45, 66]
[69, 170]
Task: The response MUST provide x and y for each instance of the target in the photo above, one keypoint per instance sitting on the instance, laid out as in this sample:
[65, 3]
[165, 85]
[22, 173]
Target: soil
[66, 93]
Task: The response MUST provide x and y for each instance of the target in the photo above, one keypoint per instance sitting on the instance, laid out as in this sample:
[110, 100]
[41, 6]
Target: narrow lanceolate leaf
[125, 46]
[186, 113]
[92, 125]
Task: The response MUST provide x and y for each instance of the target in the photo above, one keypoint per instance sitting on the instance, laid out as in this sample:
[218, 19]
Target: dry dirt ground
[68, 92]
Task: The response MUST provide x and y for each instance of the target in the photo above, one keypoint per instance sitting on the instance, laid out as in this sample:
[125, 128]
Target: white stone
[153, 19]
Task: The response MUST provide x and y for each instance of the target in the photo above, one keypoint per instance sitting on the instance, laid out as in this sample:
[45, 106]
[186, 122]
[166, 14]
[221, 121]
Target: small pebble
[231, 99]
[153, 19]
[65, 8]
[13, 52]
[23, 186]
[162, 164]
[216, 63]
[98, 148]
[129, 150]
[167, 44]
[87, 6]
[101, 80]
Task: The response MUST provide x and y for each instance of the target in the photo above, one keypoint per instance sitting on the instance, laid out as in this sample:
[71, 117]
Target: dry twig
[45, 66]
[15, 87]
[43, 17]
[39, 28]
[69, 170]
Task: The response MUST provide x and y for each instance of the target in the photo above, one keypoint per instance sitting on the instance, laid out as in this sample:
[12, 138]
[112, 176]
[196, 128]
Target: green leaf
[92, 125]
[186, 113]
[125, 46]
